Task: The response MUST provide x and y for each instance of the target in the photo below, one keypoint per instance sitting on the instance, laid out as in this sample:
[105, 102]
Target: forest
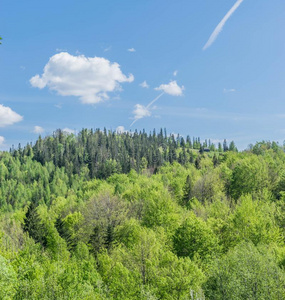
[106, 215]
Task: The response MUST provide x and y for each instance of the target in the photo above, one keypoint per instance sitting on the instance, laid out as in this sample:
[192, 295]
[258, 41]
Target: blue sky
[97, 54]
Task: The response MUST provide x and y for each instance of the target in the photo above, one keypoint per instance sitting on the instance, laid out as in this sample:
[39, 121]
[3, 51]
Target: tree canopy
[101, 215]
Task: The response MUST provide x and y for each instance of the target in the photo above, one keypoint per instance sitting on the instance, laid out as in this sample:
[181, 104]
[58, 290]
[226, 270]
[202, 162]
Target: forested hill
[105, 153]
[101, 215]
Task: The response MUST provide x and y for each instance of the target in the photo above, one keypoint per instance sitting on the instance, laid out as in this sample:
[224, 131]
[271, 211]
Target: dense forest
[106, 215]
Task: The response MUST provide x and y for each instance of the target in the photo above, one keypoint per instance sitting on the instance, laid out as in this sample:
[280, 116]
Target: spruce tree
[187, 191]
[33, 226]
[64, 233]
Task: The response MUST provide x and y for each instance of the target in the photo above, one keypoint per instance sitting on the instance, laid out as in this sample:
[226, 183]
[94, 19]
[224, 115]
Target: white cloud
[140, 112]
[60, 50]
[132, 50]
[2, 140]
[8, 116]
[108, 49]
[220, 26]
[89, 78]
[121, 129]
[175, 73]
[229, 90]
[172, 88]
[59, 106]
[68, 130]
[144, 85]
[38, 130]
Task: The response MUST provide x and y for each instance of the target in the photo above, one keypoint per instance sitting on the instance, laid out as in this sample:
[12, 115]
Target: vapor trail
[220, 26]
[154, 100]
[146, 109]
[134, 121]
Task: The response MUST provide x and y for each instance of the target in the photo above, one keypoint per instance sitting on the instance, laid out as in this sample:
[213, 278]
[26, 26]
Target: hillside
[102, 215]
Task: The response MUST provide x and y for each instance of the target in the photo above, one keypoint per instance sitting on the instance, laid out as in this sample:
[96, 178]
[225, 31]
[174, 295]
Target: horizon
[209, 70]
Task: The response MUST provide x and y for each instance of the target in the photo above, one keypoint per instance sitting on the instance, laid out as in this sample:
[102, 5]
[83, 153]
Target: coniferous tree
[225, 146]
[198, 162]
[215, 160]
[187, 191]
[33, 225]
[64, 233]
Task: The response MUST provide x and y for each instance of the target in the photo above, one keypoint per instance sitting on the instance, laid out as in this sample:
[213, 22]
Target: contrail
[220, 26]
[134, 121]
[154, 100]
[147, 107]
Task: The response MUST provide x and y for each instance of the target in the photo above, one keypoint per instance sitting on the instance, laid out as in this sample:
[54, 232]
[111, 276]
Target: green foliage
[103, 215]
[33, 225]
[252, 221]
[195, 239]
[8, 279]
[245, 272]
[250, 174]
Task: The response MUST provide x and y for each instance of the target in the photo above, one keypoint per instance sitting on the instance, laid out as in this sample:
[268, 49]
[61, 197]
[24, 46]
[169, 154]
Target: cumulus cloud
[38, 130]
[8, 116]
[144, 85]
[175, 73]
[172, 88]
[220, 26]
[140, 112]
[121, 129]
[89, 78]
[68, 130]
[132, 50]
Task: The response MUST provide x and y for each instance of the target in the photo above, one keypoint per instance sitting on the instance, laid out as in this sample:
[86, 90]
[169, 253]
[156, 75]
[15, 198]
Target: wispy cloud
[144, 85]
[38, 130]
[60, 50]
[229, 90]
[220, 26]
[175, 73]
[59, 105]
[108, 49]
[132, 50]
